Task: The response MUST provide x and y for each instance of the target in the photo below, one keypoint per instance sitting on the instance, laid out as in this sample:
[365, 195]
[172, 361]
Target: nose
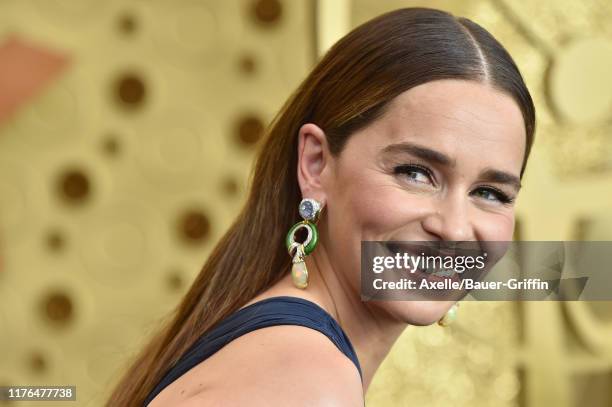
[449, 219]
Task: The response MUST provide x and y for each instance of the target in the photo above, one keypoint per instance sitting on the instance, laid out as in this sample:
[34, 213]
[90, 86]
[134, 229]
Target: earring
[450, 316]
[309, 210]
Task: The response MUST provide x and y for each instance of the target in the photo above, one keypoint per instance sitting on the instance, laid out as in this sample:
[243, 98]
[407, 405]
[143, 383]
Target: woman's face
[442, 164]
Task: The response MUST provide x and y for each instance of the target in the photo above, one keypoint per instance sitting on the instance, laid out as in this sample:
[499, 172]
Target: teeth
[440, 272]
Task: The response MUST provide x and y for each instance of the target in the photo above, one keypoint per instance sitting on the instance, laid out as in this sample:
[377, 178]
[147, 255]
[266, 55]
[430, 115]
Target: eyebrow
[421, 152]
[427, 154]
[501, 177]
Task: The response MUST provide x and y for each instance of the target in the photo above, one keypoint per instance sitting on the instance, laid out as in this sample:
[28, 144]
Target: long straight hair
[349, 88]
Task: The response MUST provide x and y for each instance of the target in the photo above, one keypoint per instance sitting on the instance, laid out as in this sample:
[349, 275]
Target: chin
[419, 313]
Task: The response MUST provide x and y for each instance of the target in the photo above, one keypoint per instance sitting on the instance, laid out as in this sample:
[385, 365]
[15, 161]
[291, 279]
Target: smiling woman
[416, 126]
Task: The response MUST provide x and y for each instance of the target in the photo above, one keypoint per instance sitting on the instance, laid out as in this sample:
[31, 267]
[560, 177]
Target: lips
[443, 249]
[435, 248]
[435, 275]
[418, 251]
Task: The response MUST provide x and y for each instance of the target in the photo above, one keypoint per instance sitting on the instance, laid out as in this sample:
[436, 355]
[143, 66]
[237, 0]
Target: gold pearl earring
[450, 316]
[309, 210]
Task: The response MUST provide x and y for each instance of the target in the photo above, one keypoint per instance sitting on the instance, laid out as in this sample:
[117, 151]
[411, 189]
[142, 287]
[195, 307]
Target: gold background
[118, 179]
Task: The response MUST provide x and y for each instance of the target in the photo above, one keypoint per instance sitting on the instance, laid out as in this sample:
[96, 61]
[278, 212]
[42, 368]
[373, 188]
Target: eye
[415, 173]
[492, 194]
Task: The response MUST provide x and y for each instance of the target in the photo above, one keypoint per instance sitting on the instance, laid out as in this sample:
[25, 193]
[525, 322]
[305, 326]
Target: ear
[313, 159]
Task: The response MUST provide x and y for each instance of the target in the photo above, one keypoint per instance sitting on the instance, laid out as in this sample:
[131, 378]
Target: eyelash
[408, 168]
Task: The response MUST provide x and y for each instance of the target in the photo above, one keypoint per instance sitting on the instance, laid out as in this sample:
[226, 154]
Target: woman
[415, 126]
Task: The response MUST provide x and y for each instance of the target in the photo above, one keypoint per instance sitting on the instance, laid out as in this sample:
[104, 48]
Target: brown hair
[348, 89]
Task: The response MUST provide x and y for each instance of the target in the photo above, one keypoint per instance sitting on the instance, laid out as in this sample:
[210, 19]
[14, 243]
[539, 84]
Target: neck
[371, 331]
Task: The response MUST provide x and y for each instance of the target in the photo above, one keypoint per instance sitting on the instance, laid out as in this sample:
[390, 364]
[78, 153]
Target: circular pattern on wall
[174, 280]
[37, 362]
[194, 226]
[125, 243]
[130, 90]
[127, 24]
[267, 13]
[77, 181]
[247, 64]
[53, 119]
[111, 145]
[73, 186]
[180, 150]
[57, 308]
[20, 199]
[81, 116]
[579, 82]
[249, 129]
[55, 241]
[191, 33]
[230, 187]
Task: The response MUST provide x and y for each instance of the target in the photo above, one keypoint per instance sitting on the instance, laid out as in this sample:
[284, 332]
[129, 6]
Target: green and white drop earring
[450, 316]
[309, 210]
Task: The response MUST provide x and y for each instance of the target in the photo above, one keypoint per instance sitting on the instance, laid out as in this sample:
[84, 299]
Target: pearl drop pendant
[299, 274]
[449, 317]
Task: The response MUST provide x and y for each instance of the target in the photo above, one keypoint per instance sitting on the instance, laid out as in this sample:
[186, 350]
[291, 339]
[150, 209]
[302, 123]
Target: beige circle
[21, 200]
[183, 149]
[580, 81]
[52, 119]
[79, 12]
[189, 31]
[12, 204]
[179, 148]
[122, 244]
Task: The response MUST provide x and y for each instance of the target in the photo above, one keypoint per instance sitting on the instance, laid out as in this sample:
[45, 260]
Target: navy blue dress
[282, 310]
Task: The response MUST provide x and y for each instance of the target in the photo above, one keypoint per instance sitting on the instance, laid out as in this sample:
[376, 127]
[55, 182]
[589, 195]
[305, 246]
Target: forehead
[459, 118]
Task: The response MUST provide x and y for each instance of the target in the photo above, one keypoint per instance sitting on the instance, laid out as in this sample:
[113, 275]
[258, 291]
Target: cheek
[379, 208]
[366, 206]
[495, 226]
[496, 231]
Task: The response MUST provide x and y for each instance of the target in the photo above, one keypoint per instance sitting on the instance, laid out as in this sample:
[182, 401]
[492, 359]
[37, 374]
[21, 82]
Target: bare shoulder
[280, 365]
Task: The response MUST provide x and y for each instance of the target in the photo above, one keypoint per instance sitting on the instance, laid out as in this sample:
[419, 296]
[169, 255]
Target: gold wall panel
[117, 180]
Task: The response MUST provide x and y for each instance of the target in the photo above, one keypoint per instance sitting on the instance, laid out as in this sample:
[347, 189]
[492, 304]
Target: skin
[477, 129]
